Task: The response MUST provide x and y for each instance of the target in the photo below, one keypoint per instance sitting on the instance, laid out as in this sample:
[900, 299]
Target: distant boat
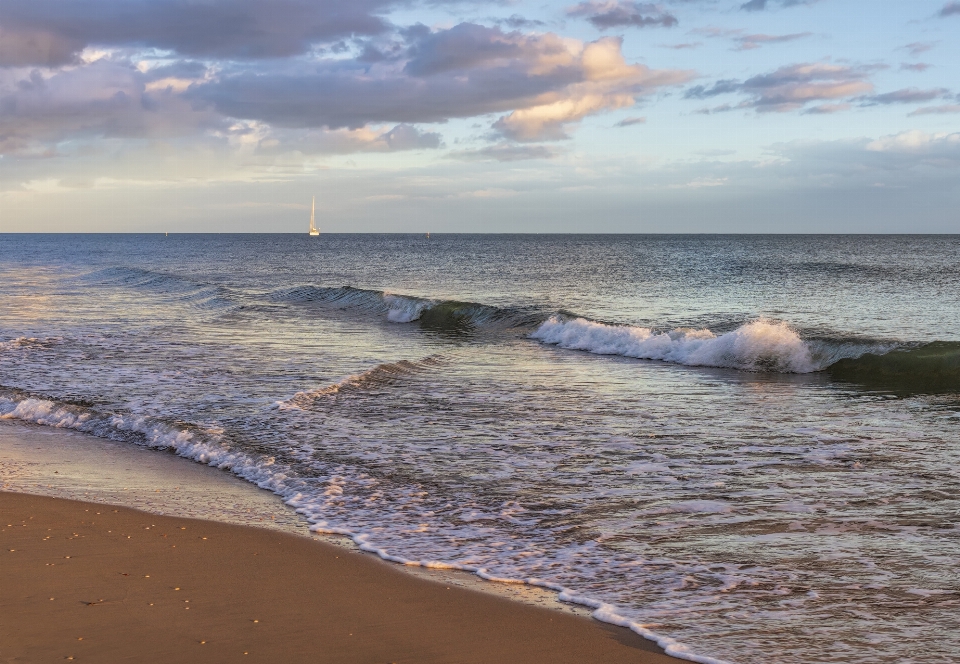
[313, 223]
[428, 236]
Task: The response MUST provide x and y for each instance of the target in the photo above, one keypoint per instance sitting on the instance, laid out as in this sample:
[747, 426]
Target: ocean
[743, 447]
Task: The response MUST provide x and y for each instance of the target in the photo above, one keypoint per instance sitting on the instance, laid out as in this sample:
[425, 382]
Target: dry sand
[99, 583]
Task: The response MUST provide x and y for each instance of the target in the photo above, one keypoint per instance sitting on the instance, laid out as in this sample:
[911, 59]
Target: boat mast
[313, 210]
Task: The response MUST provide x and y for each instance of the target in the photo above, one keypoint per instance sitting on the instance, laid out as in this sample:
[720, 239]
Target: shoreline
[63, 465]
[131, 584]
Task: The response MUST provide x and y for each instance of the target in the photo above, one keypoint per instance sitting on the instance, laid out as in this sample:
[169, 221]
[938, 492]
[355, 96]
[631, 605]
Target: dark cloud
[505, 152]
[623, 14]
[50, 32]
[950, 9]
[407, 137]
[102, 100]
[905, 96]
[629, 122]
[543, 81]
[464, 46]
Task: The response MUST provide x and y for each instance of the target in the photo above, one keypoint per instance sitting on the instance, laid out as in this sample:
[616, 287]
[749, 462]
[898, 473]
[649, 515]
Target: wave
[932, 368]
[28, 343]
[760, 345]
[771, 346]
[443, 316]
[380, 376]
[198, 294]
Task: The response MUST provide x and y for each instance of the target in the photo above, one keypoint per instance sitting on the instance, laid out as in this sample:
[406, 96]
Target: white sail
[313, 225]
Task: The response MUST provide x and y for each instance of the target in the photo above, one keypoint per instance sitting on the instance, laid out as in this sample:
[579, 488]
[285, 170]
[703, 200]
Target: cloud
[950, 9]
[914, 66]
[543, 83]
[51, 32]
[760, 5]
[505, 152]
[932, 146]
[904, 96]
[750, 42]
[721, 87]
[623, 14]
[826, 109]
[629, 122]
[916, 48]
[517, 22]
[681, 47]
[937, 110]
[105, 99]
[790, 88]
[344, 141]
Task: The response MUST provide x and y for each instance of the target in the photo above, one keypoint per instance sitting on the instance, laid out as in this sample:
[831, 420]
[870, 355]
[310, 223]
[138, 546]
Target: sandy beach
[91, 582]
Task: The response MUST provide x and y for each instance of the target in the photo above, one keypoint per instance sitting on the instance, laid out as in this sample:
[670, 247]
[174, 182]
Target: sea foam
[760, 345]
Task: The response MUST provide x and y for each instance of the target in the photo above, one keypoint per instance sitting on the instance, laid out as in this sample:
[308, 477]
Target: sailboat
[313, 224]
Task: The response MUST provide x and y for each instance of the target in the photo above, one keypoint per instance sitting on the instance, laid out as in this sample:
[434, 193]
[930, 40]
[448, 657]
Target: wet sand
[107, 584]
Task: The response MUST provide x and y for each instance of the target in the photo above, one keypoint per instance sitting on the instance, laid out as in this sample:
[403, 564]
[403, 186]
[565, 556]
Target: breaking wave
[772, 346]
[760, 345]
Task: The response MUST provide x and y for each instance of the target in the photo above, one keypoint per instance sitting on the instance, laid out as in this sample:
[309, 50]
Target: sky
[612, 116]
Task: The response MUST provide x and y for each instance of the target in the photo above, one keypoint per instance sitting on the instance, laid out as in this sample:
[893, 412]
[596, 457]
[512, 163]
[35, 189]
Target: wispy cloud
[623, 14]
[505, 152]
[915, 66]
[629, 122]
[827, 109]
[517, 22]
[789, 88]
[748, 42]
[682, 47]
[760, 5]
[937, 110]
[905, 96]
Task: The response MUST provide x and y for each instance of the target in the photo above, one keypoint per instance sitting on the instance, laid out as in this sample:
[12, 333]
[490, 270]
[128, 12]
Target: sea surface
[744, 447]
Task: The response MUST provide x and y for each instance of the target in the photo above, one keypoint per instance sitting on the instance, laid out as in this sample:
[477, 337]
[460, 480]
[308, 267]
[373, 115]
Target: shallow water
[736, 444]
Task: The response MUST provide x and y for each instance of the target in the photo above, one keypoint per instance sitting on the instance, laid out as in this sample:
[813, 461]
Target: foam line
[206, 447]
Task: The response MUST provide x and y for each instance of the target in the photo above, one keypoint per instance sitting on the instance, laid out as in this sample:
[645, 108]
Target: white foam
[404, 309]
[760, 345]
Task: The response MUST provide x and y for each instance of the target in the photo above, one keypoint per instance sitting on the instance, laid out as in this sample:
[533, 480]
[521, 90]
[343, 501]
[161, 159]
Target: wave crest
[379, 376]
[759, 345]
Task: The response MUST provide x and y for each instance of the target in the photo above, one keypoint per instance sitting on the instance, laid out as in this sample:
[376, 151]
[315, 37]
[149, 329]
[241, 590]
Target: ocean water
[744, 447]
